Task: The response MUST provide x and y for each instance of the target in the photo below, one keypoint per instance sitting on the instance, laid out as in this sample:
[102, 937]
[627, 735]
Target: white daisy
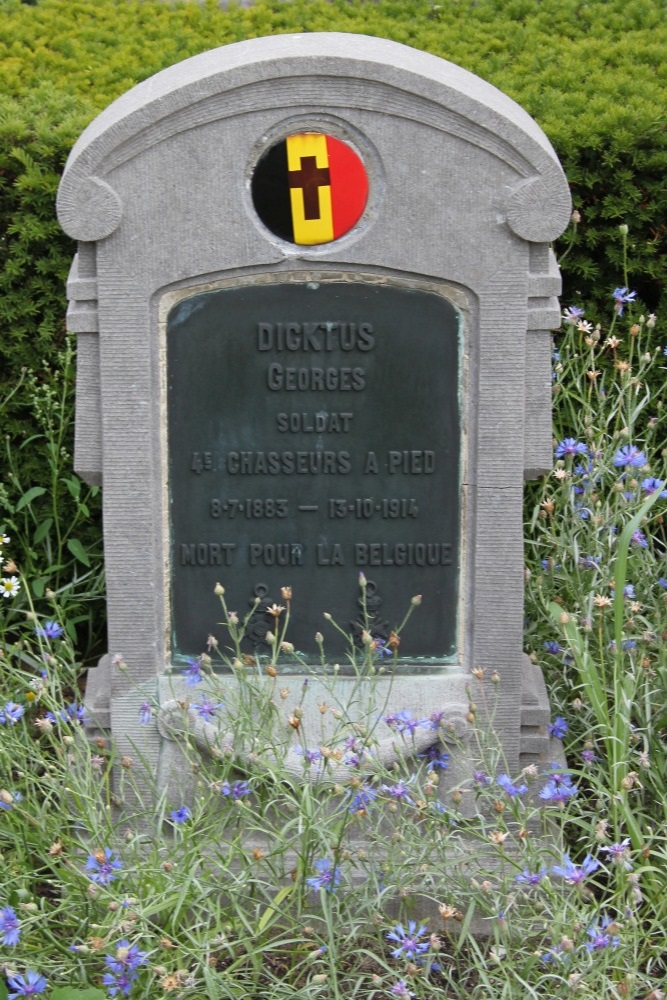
[10, 586]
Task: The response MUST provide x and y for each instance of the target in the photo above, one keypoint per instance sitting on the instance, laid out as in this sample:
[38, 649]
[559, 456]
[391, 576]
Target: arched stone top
[368, 71]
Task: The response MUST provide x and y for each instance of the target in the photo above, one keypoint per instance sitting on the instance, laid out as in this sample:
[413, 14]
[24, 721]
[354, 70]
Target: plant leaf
[74, 486]
[42, 531]
[67, 993]
[78, 551]
[274, 908]
[32, 494]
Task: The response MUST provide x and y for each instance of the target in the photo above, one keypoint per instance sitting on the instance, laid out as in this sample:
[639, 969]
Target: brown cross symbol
[310, 178]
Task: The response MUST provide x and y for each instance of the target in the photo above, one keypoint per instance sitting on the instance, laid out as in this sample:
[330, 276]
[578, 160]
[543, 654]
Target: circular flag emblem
[310, 188]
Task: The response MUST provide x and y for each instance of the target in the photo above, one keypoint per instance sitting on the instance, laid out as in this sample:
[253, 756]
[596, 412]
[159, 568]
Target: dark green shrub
[591, 73]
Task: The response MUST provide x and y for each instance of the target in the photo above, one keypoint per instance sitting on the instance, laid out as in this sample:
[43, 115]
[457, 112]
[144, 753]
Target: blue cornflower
[26, 986]
[621, 297]
[555, 774]
[399, 792]
[181, 815]
[409, 945]
[568, 446]
[638, 538]
[400, 989]
[601, 935]
[49, 630]
[481, 778]
[652, 485]
[145, 713]
[120, 982]
[328, 876]
[589, 562]
[10, 927]
[102, 865]
[575, 874]
[363, 798]
[588, 756]
[662, 582]
[558, 727]
[128, 957]
[380, 647]
[619, 853]
[434, 720]
[72, 713]
[555, 954]
[403, 722]
[435, 758]
[9, 799]
[629, 591]
[526, 877]
[508, 785]
[557, 792]
[309, 755]
[11, 713]
[235, 791]
[626, 644]
[572, 315]
[628, 455]
[355, 752]
[553, 647]
[193, 674]
[206, 709]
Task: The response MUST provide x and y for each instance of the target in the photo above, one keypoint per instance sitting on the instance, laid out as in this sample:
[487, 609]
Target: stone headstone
[312, 298]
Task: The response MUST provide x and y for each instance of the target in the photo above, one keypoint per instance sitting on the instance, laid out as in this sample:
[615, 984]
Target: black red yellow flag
[310, 188]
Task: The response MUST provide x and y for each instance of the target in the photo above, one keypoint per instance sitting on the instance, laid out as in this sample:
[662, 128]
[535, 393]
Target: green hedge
[592, 74]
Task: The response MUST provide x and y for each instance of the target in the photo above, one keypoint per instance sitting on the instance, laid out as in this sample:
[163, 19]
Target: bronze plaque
[314, 434]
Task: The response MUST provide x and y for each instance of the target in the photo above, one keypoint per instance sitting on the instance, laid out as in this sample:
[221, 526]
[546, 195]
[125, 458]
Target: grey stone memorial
[312, 298]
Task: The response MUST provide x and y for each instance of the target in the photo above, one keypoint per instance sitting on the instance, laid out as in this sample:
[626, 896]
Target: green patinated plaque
[314, 434]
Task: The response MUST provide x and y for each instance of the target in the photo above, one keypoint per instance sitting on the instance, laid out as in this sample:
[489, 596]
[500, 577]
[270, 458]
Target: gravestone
[312, 298]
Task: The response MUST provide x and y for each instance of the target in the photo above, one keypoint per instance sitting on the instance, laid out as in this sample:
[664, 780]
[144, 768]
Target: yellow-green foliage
[592, 74]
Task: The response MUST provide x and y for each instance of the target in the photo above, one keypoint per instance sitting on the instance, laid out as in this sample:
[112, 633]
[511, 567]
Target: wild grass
[302, 863]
